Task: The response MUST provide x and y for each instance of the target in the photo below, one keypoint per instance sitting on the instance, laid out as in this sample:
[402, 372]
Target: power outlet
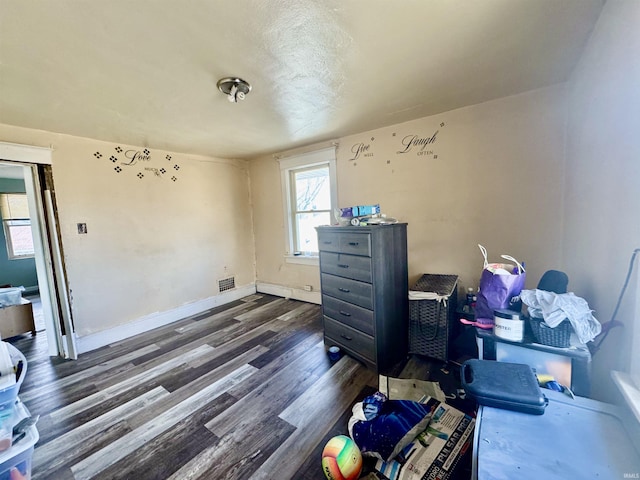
[308, 288]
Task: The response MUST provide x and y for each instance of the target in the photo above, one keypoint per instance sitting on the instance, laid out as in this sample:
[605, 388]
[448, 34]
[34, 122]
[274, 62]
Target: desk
[569, 366]
[573, 439]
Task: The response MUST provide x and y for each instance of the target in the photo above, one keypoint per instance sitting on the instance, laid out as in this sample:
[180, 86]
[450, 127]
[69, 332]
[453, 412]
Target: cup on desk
[509, 325]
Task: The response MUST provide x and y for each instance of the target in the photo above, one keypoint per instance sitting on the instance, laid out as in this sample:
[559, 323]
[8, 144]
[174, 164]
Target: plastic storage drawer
[18, 458]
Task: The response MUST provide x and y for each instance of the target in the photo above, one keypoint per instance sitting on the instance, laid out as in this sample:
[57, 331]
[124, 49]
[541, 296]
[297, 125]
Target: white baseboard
[159, 319]
[288, 292]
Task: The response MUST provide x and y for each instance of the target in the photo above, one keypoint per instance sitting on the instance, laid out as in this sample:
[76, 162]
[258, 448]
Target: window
[311, 205]
[16, 223]
[309, 194]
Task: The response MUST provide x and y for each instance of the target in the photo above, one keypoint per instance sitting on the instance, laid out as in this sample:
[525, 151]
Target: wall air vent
[226, 284]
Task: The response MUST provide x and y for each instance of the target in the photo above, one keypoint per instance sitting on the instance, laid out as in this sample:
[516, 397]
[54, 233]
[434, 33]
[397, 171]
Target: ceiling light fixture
[234, 88]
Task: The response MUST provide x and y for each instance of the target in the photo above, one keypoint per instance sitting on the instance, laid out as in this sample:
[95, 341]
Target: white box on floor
[17, 319]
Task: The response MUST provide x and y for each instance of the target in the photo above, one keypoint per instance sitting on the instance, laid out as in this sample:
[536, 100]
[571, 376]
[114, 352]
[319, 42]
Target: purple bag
[500, 287]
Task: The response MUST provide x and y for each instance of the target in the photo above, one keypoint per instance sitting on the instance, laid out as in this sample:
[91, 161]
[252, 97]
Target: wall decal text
[137, 157]
[361, 149]
[411, 141]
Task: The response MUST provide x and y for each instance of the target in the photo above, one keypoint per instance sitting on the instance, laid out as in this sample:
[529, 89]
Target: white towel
[556, 307]
[417, 295]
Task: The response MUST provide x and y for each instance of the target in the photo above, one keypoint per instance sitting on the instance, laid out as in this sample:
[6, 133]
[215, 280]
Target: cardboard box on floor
[17, 319]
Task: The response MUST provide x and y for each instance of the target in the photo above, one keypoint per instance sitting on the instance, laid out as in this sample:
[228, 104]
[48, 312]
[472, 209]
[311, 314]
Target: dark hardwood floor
[243, 391]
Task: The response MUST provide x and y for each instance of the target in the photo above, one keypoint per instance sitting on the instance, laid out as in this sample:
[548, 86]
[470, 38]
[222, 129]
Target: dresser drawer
[348, 266]
[351, 291]
[328, 241]
[349, 314]
[356, 243]
[345, 242]
[350, 338]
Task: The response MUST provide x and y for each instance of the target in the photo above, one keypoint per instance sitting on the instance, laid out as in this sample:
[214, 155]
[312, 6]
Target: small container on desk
[560, 336]
[431, 321]
[508, 325]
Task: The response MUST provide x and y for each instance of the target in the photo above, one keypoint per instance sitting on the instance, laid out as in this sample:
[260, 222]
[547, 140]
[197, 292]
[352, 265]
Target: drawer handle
[346, 314]
[346, 337]
[354, 244]
[345, 290]
[327, 242]
[342, 265]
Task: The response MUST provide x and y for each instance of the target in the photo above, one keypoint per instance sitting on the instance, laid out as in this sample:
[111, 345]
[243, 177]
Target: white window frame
[10, 219]
[628, 382]
[326, 156]
[634, 367]
[15, 222]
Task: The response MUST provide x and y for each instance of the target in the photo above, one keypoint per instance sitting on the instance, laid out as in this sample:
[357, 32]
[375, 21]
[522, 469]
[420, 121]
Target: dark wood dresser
[364, 281]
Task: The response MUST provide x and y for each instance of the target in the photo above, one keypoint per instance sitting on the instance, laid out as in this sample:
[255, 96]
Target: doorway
[17, 256]
[30, 167]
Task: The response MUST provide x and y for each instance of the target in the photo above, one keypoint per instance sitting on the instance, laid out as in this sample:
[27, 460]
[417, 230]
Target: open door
[49, 258]
[64, 322]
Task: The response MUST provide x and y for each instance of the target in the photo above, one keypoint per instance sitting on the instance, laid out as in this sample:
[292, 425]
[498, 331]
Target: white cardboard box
[17, 319]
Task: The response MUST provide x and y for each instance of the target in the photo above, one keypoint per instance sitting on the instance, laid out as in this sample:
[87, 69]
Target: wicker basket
[559, 336]
[431, 321]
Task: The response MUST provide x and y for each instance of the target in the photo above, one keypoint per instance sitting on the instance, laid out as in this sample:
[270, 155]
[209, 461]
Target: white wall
[153, 245]
[602, 208]
[550, 176]
[497, 180]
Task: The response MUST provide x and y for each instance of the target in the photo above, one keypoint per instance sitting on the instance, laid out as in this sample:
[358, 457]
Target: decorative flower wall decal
[124, 159]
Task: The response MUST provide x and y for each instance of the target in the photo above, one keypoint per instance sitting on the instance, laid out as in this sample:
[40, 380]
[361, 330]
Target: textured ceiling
[145, 72]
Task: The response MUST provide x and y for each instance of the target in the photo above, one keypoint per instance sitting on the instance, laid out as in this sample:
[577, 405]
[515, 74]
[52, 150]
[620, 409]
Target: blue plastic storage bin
[20, 455]
[9, 395]
[10, 296]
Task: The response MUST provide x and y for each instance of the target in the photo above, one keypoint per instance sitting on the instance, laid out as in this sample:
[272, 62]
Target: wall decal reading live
[361, 149]
[124, 160]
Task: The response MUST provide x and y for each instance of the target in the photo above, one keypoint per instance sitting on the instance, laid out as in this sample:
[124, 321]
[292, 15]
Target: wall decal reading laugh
[411, 142]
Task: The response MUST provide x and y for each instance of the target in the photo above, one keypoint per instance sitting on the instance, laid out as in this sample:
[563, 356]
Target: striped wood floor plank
[313, 414]
[254, 371]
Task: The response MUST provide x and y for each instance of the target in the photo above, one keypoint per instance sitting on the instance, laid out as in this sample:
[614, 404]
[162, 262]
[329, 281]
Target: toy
[341, 459]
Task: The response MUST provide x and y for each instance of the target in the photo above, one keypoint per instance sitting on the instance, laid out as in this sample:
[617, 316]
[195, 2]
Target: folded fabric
[554, 308]
[396, 424]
